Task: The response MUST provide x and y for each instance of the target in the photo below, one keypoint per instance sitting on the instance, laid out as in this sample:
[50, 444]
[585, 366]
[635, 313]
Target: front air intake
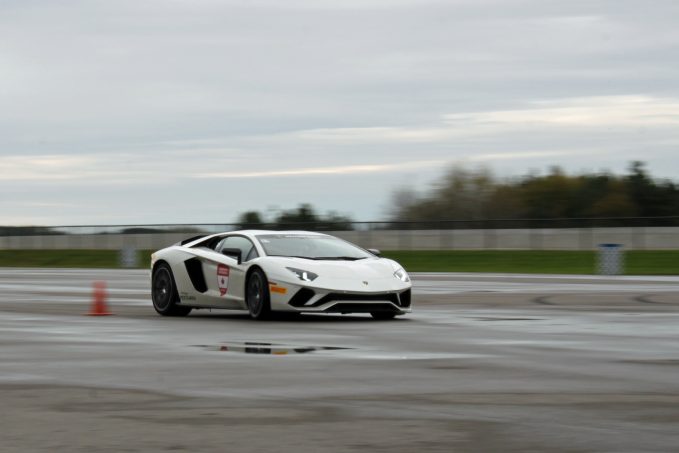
[301, 297]
[334, 297]
[348, 307]
[404, 299]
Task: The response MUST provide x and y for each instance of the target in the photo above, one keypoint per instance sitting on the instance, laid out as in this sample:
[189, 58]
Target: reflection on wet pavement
[267, 348]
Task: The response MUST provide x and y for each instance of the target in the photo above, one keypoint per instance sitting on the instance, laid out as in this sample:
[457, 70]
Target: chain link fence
[635, 233]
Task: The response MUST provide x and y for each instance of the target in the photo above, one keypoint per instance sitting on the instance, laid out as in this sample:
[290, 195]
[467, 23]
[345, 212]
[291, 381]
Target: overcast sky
[191, 111]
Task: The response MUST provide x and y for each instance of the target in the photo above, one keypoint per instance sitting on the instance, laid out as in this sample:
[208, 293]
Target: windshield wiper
[296, 256]
[341, 258]
[324, 258]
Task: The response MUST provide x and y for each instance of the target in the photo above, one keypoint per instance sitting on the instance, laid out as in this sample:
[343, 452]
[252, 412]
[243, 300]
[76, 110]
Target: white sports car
[277, 271]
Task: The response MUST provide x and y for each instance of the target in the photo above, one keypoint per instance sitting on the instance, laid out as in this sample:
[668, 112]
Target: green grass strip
[528, 262]
[642, 262]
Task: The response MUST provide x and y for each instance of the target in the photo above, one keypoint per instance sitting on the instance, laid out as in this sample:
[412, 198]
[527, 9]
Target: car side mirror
[375, 252]
[236, 254]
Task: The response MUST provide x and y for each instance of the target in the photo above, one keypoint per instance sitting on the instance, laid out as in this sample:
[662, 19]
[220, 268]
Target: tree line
[302, 217]
[478, 195]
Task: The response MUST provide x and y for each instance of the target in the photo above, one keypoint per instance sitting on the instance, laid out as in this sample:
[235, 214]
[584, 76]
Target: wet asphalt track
[485, 363]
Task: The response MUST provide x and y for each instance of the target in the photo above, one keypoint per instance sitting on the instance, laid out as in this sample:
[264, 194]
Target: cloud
[367, 134]
[469, 136]
[117, 169]
[45, 167]
[583, 113]
[123, 99]
[512, 155]
[338, 170]
[355, 5]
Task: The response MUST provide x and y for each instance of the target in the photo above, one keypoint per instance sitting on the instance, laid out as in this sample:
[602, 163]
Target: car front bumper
[297, 298]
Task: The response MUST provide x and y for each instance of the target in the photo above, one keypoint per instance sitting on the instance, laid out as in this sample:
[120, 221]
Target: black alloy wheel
[257, 296]
[164, 293]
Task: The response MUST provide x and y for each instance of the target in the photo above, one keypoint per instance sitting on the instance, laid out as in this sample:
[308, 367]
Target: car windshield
[311, 247]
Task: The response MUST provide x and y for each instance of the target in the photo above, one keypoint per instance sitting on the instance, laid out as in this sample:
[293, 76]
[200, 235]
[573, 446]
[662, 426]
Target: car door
[226, 279]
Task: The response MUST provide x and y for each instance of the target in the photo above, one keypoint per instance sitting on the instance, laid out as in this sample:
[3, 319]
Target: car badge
[365, 283]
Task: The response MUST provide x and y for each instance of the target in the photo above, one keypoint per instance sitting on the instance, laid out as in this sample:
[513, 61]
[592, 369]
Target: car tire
[383, 315]
[257, 295]
[164, 293]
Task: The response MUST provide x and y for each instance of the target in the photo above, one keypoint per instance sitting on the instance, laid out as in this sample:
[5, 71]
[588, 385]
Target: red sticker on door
[222, 278]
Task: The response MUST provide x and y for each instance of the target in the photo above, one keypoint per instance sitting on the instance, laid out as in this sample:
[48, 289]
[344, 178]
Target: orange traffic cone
[99, 307]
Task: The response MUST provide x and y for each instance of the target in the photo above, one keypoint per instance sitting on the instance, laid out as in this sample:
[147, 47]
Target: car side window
[246, 247]
[252, 255]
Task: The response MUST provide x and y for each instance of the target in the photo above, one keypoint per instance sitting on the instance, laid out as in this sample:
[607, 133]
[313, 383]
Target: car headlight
[402, 275]
[303, 275]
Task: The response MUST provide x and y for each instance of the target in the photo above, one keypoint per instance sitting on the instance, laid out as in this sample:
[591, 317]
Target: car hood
[367, 275]
[375, 268]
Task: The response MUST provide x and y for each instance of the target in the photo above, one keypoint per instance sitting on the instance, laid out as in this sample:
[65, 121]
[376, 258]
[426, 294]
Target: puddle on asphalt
[289, 350]
[508, 319]
[267, 348]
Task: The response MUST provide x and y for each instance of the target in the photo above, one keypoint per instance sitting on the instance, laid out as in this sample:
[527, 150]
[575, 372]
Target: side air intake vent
[195, 270]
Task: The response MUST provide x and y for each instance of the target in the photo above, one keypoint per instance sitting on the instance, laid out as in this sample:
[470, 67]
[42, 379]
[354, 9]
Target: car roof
[252, 233]
[281, 232]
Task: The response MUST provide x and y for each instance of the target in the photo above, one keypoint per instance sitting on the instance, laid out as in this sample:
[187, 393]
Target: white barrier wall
[647, 238]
